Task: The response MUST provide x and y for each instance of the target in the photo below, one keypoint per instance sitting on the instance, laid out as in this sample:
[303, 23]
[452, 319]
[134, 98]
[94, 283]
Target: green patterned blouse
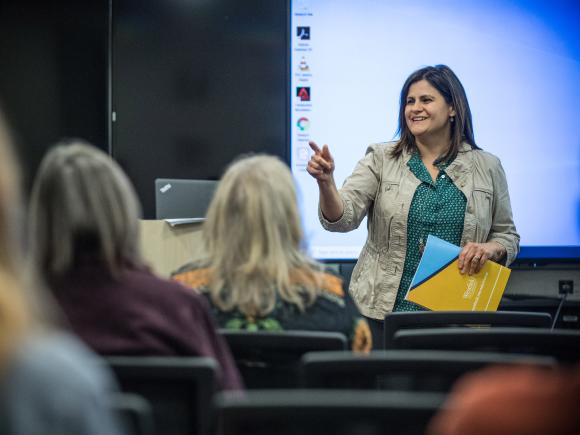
[438, 208]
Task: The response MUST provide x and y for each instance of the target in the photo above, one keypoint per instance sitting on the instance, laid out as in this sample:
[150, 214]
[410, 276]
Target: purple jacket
[142, 314]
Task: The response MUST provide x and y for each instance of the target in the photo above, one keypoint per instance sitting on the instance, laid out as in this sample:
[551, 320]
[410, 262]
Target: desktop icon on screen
[303, 154]
[303, 92]
[302, 7]
[303, 32]
[303, 123]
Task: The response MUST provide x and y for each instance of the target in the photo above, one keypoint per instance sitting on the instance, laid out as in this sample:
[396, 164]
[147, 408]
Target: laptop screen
[180, 199]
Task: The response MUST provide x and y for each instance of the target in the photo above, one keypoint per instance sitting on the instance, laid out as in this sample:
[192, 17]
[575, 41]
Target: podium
[165, 248]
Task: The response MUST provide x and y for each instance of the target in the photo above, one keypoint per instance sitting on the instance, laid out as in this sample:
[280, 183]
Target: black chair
[272, 359]
[432, 319]
[562, 344]
[402, 370]
[134, 413]
[179, 390]
[322, 412]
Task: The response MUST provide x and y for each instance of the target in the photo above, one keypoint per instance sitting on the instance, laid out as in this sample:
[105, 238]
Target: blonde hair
[253, 235]
[15, 311]
[83, 204]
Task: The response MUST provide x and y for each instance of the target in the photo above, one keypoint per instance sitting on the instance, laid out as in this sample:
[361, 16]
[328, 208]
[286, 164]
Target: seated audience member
[84, 227]
[256, 276]
[49, 382]
[510, 401]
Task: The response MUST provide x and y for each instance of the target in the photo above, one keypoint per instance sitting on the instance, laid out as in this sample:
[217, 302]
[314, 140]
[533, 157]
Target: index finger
[462, 255]
[314, 147]
[326, 152]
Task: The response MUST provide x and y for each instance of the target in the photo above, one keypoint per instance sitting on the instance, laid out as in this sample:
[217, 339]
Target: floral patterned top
[333, 310]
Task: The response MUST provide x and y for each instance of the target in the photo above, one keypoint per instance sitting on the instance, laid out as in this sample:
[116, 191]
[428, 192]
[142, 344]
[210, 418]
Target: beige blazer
[382, 188]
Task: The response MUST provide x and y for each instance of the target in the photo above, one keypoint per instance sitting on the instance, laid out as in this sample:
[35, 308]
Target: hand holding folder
[438, 285]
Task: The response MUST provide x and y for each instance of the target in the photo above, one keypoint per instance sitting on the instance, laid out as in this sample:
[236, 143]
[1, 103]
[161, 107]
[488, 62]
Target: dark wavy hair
[442, 78]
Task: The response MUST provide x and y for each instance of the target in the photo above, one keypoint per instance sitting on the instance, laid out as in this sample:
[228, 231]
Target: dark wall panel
[195, 84]
[53, 74]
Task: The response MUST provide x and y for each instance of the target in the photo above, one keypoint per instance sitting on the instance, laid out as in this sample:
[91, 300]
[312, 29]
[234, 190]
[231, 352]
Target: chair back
[179, 390]
[433, 319]
[321, 412]
[402, 370]
[272, 359]
[562, 344]
[134, 413]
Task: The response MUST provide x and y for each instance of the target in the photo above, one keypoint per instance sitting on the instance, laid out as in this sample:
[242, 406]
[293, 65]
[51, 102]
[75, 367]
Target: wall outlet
[565, 286]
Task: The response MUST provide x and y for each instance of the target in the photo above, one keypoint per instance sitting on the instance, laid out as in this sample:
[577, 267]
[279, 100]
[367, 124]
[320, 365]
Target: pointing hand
[321, 164]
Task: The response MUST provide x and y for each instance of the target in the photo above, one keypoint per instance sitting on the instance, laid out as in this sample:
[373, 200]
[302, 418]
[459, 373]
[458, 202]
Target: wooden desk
[166, 248]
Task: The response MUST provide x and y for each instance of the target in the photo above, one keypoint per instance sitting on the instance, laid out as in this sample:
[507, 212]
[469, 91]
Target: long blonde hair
[15, 311]
[83, 204]
[253, 236]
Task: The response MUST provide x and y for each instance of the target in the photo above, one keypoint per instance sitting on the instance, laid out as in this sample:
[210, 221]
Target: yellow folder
[438, 285]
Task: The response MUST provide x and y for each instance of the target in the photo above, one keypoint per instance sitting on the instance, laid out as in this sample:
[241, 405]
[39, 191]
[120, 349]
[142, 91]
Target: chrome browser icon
[303, 123]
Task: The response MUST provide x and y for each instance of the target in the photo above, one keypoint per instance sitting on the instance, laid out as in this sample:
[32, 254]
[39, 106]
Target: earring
[451, 119]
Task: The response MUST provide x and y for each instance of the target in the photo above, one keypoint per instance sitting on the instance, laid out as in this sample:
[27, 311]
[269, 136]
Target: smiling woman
[428, 116]
[428, 182]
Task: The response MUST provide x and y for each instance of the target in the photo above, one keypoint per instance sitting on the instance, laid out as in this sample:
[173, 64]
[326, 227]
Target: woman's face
[426, 111]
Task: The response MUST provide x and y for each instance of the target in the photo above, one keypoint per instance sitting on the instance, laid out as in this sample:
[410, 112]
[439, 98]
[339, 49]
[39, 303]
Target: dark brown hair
[442, 78]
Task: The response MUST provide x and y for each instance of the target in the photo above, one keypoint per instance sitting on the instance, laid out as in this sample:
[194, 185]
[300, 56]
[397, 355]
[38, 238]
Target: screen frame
[527, 254]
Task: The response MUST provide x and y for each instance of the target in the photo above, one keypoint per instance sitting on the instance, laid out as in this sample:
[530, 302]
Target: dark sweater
[141, 314]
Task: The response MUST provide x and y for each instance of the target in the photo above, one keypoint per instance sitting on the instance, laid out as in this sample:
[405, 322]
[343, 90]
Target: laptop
[178, 199]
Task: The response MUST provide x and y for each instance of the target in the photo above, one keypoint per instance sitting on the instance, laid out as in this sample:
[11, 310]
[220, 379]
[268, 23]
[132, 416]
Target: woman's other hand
[474, 255]
[321, 164]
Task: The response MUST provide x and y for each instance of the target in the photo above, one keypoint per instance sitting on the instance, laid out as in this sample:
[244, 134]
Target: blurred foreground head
[15, 311]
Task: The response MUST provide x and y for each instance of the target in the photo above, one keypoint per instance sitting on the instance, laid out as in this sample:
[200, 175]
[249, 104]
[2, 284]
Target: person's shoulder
[192, 266]
[146, 281]
[380, 154]
[195, 275]
[328, 281]
[485, 158]
[58, 361]
[167, 295]
[56, 385]
[381, 148]
[331, 282]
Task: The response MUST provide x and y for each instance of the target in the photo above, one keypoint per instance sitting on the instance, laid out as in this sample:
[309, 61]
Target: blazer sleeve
[503, 229]
[358, 191]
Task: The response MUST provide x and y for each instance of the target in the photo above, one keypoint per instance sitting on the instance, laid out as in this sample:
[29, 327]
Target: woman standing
[433, 180]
